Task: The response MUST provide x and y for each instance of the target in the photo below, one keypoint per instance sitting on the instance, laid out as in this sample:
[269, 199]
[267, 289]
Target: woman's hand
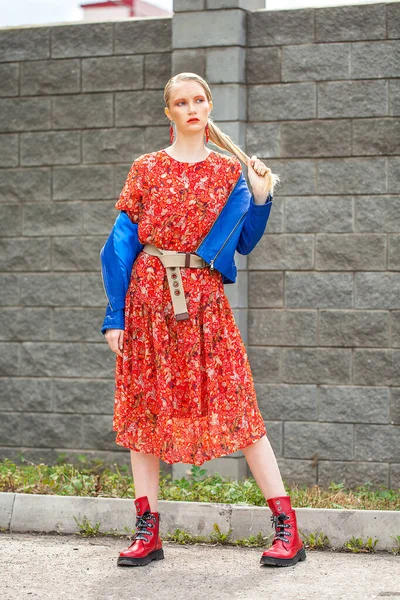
[260, 177]
[115, 339]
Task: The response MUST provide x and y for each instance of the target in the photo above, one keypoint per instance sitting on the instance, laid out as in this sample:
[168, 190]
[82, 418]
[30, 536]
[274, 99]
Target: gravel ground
[71, 567]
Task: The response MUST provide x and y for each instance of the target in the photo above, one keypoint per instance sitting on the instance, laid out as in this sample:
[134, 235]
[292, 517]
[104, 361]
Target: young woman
[184, 388]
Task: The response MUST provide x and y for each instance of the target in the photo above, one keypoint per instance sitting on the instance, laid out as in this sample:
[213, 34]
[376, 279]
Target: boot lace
[142, 526]
[280, 532]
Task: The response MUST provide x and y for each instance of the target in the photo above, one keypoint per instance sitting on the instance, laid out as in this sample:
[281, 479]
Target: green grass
[94, 478]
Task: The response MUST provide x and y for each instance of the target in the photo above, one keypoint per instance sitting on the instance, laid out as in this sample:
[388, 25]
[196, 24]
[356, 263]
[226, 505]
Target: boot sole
[283, 562]
[126, 561]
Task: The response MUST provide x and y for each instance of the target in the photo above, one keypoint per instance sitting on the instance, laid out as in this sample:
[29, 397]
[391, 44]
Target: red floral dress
[184, 389]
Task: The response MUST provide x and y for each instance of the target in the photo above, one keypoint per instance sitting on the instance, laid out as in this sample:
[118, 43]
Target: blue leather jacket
[238, 227]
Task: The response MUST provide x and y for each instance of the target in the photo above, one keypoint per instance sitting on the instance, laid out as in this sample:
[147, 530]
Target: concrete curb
[47, 514]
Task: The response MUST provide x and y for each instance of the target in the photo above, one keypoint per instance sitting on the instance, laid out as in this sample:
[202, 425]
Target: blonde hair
[217, 136]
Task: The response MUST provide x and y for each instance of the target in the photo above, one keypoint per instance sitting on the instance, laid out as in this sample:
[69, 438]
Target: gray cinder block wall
[315, 94]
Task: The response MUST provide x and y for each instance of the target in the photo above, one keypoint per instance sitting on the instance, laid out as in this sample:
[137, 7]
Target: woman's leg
[146, 476]
[264, 467]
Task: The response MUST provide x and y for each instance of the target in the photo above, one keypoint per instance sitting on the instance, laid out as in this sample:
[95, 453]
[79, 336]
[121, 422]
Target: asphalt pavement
[75, 568]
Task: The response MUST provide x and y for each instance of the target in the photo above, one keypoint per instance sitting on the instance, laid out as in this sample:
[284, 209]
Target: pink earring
[171, 133]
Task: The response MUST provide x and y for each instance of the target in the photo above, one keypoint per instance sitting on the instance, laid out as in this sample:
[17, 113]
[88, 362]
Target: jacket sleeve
[117, 257]
[254, 225]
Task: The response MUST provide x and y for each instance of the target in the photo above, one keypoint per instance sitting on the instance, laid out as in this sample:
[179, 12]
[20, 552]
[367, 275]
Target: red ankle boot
[287, 548]
[147, 544]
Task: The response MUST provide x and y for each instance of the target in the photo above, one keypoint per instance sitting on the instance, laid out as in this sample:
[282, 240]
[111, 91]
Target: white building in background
[108, 10]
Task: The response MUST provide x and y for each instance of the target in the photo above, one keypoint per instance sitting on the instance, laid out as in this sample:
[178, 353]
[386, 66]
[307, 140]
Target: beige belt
[171, 259]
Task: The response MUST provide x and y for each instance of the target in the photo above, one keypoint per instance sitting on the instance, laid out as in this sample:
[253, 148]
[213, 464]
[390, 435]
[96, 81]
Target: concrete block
[98, 217]
[376, 136]
[113, 73]
[10, 429]
[6, 507]
[187, 60]
[9, 79]
[395, 327]
[353, 99]
[83, 183]
[156, 138]
[157, 70]
[143, 36]
[325, 440]
[393, 20]
[318, 214]
[83, 111]
[353, 328]
[24, 114]
[50, 219]
[187, 5]
[245, 4]
[275, 102]
[293, 402]
[97, 360]
[10, 219]
[77, 324]
[347, 175]
[394, 476]
[377, 290]
[356, 252]
[317, 365]
[20, 254]
[263, 139]
[275, 437]
[226, 65]
[9, 289]
[189, 27]
[92, 291]
[352, 474]
[41, 359]
[51, 290]
[280, 27]
[51, 430]
[97, 431]
[77, 253]
[112, 145]
[9, 150]
[21, 185]
[240, 316]
[237, 292]
[50, 77]
[24, 43]
[394, 93]
[393, 174]
[140, 108]
[26, 395]
[83, 396]
[263, 65]
[226, 466]
[352, 404]
[298, 472]
[376, 367]
[87, 39]
[283, 251]
[350, 23]
[372, 60]
[316, 62]
[266, 364]
[265, 289]
[319, 290]
[9, 361]
[377, 442]
[26, 324]
[51, 148]
[277, 327]
[316, 138]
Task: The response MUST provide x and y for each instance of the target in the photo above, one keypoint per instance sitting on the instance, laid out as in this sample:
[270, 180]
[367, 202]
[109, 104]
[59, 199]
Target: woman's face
[188, 100]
